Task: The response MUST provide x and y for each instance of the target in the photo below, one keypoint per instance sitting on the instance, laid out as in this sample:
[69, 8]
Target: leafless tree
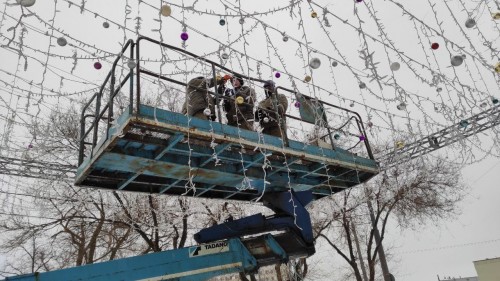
[414, 193]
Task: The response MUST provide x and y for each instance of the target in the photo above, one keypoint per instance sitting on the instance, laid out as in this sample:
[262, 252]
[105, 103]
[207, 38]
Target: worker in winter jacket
[238, 104]
[271, 112]
[200, 103]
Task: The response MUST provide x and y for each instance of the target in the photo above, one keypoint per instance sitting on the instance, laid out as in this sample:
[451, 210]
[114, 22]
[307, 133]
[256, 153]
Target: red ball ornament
[97, 65]
[435, 46]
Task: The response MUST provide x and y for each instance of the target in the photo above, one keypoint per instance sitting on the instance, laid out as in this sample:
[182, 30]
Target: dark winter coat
[244, 111]
[270, 111]
[198, 97]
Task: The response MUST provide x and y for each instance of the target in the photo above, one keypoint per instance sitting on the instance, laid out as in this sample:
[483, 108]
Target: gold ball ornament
[166, 11]
[240, 100]
[400, 144]
[497, 67]
[496, 16]
[314, 15]
[307, 78]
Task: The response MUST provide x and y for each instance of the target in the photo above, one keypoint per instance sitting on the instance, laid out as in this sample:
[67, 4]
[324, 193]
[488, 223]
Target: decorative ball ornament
[314, 15]
[30, 145]
[470, 23]
[362, 85]
[105, 24]
[225, 56]
[131, 64]
[400, 144]
[61, 41]
[434, 46]
[184, 36]
[336, 136]
[285, 38]
[166, 11]
[497, 67]
[359, 1]
[266, 119]
[395, 66]
[296, 104]
[401, 106]
[361, 138]
[307, 78]
[464, 123]
[369, 124]
[26, 3]
[494, 100]
[222, 22]
[97, 65]
[496, 16]
[315, 63]
[439, 89]
[242, 21]
[334, 64]
[351, 104]
[277, 75]
[240, 100]
[483, 105]
[207, 112]
[457, 60]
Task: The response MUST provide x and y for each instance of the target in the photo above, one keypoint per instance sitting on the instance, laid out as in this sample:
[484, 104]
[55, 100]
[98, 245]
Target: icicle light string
[291, 76]
[459, 103]
[385, 35]
[205, 35]
[379, 97]
[402, 54]
[440, 34]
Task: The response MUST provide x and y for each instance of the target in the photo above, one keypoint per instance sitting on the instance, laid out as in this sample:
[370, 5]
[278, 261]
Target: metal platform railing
[89, 131]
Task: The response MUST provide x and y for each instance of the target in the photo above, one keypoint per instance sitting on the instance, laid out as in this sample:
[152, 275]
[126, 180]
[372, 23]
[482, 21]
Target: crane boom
[193, 263]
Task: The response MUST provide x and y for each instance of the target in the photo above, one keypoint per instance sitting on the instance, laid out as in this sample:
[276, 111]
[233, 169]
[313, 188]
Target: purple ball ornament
[359, 1]
[30, 145]
[297, 104]
[277, 75]
[362, 138]
[184, 36]
[97, 65]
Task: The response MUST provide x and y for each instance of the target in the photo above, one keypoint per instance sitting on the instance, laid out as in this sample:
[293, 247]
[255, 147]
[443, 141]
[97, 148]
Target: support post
[383, 263]
[358, 248]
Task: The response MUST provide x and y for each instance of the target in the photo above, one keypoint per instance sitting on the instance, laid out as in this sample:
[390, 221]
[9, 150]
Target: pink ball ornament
[297, 104]
[97, 65]
[184, 36]
[277, 75]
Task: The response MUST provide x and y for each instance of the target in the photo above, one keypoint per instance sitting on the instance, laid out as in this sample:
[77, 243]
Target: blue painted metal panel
[192, 263]
[162, 162]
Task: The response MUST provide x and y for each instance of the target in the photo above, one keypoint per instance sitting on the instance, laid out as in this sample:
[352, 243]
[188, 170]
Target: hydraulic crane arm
[192, 263]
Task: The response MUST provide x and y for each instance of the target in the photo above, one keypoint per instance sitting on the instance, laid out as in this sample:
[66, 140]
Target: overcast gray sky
[448, 249]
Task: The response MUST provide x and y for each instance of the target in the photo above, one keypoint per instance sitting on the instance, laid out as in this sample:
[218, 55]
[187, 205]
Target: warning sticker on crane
[208, 249]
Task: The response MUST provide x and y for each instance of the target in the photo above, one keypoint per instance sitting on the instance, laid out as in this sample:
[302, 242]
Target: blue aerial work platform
[153, 150]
